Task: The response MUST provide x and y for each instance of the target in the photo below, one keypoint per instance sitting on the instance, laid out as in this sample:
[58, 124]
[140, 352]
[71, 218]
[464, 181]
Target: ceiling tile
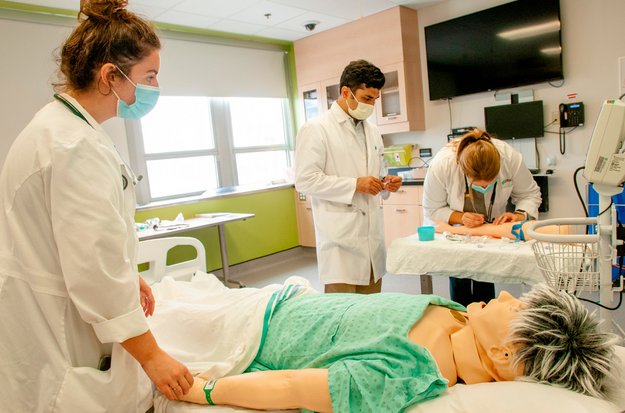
[256, 13]
[57, 4]
[186, 19]
[325, 22]
[415, 4]
[148, 12]
[233, 26]
[346, 9]
[216, 8]
[280, 34]
[162, 4]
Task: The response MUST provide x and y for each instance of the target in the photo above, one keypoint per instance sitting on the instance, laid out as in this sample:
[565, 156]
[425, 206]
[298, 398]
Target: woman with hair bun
[69, 287]
[470, 182]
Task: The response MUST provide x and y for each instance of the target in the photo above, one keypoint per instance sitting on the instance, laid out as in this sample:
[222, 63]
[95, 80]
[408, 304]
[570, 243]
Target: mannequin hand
[146, 298]
[471, 219]
[368, 185]
[171, 377]
[392, 183]
[508, 217]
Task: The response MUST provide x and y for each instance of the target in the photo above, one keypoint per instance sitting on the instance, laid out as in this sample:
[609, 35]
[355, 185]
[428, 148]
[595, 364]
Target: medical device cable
[450, 120]
[606, 208]
[537, 153]
[620, 301]
[579, 195]
[581, 200]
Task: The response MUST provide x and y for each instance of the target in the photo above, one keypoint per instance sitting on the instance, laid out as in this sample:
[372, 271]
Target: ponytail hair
[107, 33]
[477, 156]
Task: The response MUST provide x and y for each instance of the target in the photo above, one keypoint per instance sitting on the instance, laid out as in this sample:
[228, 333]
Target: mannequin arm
[496, 231]
[269, 390]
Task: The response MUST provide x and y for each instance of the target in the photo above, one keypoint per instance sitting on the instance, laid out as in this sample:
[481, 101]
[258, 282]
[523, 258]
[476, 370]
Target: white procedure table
[492, 260]
[218, 219]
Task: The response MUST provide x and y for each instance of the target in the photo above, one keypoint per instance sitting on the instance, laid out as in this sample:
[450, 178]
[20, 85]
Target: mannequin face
[490, 323]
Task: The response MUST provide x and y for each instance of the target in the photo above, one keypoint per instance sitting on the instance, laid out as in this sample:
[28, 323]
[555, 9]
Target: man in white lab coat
[338, 162]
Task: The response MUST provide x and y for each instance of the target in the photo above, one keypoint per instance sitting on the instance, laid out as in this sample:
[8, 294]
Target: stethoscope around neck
[77, 113]
[488, 218]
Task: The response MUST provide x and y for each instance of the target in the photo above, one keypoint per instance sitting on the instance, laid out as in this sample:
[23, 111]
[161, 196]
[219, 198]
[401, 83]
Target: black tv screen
[511, 45]
[518, 120]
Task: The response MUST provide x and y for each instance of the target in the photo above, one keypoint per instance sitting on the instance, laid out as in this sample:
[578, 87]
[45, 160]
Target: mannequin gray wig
[561, 343]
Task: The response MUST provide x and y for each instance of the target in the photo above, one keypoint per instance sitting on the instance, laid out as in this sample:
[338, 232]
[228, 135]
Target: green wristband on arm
[208, 388]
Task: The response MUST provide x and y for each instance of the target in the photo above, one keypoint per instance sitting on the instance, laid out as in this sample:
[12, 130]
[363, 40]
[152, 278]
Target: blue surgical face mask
[484, 190]
[145, 100]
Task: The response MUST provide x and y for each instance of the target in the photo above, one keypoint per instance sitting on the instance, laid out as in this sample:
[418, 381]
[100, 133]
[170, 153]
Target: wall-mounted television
[515, 121]
[511, 45]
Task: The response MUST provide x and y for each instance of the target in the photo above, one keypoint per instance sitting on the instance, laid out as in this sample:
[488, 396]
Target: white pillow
[516, 397]
[513, 397]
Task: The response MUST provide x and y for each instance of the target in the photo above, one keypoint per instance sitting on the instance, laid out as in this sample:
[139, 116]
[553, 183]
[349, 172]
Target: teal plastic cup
[426, 233]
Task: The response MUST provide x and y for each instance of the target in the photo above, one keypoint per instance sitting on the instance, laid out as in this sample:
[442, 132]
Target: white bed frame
[496, 397]
[154, 253]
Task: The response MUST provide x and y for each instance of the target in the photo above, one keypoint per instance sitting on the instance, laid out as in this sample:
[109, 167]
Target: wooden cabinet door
[400, 221]
[305, 222]
[331, 92]
[311, 96]
[391, 106]
[402, 212]
[405, 195]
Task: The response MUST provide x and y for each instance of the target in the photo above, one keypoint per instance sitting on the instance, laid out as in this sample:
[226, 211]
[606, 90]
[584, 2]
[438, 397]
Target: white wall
[25, 74]
[28, 69]
[592, 33]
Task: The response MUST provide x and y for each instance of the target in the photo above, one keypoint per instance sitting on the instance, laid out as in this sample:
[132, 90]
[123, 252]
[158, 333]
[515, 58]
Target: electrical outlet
[551, 161]
[555, 116]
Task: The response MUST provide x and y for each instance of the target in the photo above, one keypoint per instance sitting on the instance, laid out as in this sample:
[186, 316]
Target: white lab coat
[348, 225]
[68, 277]
[444, 187]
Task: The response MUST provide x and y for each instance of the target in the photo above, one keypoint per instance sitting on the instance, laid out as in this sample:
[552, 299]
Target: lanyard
[492, 198]
[71, 107]
[76, 112]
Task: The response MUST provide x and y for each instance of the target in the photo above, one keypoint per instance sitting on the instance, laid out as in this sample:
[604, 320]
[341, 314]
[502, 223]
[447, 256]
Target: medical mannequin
[511, 230]
[479, 345]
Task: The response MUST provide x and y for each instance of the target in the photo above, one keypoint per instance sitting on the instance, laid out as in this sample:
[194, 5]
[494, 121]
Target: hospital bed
[479, 258]
[509, 397]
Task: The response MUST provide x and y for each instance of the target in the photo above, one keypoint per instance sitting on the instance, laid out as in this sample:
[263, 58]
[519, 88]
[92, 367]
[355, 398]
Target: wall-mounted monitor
[515, 121]
[511, 45]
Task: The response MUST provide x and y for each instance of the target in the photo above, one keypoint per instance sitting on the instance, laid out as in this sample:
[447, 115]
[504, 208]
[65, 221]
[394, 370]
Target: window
[188, 145]
[259, 139]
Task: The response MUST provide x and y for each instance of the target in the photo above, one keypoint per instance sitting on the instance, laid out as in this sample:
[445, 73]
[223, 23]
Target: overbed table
[218, 219]
[492, 260]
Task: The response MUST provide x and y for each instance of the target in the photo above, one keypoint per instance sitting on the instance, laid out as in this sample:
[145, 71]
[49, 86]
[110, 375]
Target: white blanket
[491, 260]
[212, 329]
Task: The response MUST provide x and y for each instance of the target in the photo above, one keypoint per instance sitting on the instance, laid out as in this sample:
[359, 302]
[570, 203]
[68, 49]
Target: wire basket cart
[579, 263]
[568, 262]
[572, 267]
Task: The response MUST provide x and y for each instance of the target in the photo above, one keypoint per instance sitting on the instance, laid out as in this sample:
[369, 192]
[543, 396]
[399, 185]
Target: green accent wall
[273, 229]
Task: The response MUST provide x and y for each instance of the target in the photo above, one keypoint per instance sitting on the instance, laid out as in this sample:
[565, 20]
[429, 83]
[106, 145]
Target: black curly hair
[361, 73]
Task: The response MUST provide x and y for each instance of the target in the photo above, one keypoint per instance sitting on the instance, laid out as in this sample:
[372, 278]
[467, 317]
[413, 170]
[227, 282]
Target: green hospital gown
[363, 342]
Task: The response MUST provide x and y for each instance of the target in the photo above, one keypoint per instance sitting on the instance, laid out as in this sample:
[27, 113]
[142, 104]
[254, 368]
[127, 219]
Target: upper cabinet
[390, 40]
